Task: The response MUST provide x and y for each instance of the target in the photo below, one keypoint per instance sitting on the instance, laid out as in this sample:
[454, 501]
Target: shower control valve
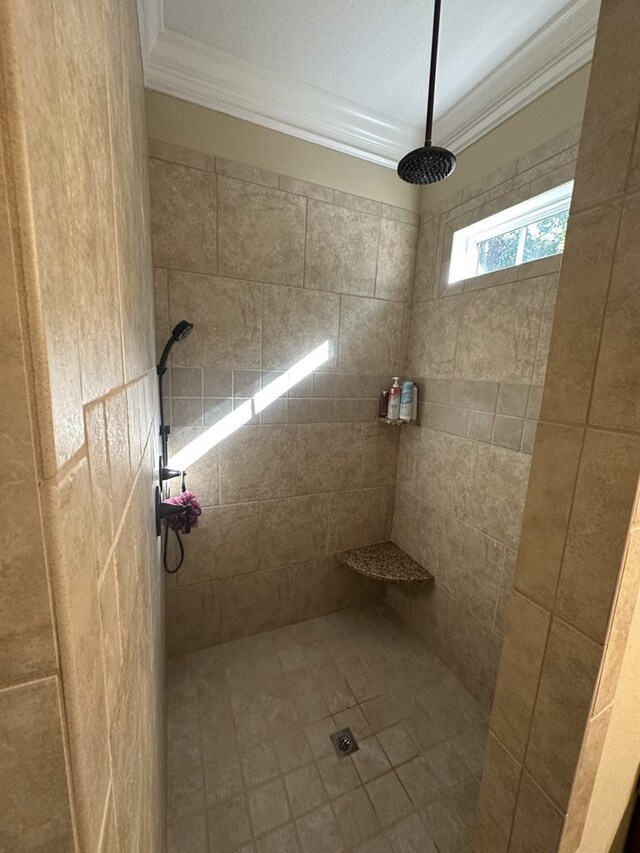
[170, 473]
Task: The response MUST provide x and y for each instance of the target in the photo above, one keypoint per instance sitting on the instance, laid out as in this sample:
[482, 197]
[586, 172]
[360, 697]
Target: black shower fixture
[180, 331]
[175, 514]
[428, 164]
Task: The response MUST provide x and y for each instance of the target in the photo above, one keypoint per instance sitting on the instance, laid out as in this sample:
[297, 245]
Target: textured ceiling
[352, 74]
[373, 53]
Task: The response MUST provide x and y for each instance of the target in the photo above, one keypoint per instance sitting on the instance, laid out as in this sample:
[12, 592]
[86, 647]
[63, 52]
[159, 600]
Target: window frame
[464, 246]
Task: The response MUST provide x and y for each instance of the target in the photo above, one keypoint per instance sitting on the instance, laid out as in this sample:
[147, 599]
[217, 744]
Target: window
[527, 232]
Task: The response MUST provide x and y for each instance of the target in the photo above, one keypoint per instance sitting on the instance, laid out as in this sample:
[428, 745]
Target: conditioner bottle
[406, 401]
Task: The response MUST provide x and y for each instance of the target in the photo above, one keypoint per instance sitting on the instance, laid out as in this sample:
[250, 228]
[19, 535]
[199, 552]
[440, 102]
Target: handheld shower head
[181, 330]
[178, 333]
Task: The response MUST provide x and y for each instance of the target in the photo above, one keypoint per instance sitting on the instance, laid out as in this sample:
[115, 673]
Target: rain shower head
[426, 165]
[180, 331]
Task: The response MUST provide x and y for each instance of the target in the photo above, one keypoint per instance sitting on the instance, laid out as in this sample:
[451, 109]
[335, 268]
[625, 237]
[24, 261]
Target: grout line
[217, 191]
[339, 335]
[552, 614]
[610, 201]
[587, 427]
[261, 368]
[634, 147]
[332, 190]
[605, 307]
[548, 287]
[304, 248]
[375, 275]
[298, 287]
[35, 679]
[362, 449]
[248, 180]
[104, 828]
[175, 162]
[500, 588]
[568, 525]
[201, 755]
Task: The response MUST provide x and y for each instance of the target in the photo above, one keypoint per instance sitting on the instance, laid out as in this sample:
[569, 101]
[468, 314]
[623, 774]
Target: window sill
[509, 275]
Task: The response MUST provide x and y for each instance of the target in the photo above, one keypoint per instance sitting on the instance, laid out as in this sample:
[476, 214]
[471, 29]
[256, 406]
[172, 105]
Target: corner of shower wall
[462, 475]
[578, 572]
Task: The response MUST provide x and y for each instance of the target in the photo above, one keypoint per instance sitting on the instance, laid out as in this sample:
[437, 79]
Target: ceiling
[352, 74]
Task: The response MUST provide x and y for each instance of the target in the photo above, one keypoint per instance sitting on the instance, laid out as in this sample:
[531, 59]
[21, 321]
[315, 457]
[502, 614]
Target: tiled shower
[295, 265]
[144, 712]
[251, 764]
[271, 268]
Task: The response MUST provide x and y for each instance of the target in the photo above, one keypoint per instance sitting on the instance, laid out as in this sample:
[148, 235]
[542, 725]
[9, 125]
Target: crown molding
[183, 67]
[150, 25]
[188, 69]
[561, 47]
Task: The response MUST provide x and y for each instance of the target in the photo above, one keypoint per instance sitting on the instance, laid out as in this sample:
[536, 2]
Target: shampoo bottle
[406, 401]
[414, 405]
[393, 409]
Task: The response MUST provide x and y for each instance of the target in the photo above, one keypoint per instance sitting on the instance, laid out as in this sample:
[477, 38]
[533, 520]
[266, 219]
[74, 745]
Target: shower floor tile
[252, 768]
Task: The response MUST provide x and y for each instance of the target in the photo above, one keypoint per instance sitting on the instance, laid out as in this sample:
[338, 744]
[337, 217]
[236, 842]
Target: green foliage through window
[529, 243]
[545, 238]
[498, 252]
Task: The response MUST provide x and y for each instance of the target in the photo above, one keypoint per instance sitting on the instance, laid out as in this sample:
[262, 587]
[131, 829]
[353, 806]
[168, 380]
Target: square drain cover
[343, 742]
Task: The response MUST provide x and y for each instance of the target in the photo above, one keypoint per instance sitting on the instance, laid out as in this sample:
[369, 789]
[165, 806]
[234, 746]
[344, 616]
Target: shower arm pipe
[432, 72]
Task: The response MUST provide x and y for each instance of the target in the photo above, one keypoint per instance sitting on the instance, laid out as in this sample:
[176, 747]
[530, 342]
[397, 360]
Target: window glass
[545, 238]
[498, 252]
[526, 232]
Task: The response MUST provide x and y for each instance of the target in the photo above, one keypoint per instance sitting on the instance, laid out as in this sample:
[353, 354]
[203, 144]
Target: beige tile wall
[478, 350]
[578, 569]
[81, 618]
[29, 687]
[269, 268]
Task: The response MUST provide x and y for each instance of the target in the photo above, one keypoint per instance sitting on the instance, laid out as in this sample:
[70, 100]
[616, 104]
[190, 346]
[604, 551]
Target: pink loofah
[178, 522]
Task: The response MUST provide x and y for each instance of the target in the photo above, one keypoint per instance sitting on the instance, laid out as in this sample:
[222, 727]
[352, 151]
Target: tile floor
[251, 768]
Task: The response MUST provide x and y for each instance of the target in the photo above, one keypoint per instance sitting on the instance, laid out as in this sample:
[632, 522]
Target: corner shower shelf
[396, 422]
[384, 561]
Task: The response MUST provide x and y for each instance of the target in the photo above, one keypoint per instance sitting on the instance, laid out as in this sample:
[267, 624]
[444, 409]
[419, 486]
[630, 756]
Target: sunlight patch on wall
[197, 448]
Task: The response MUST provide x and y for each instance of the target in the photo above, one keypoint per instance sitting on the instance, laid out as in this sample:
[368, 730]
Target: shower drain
[343, 742]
